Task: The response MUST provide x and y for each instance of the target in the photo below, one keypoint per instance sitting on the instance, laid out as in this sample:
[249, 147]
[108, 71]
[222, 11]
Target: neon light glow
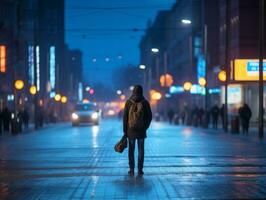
[80, 92]
[52, 67]
[31, 64]
[38, 67]
[2, 58]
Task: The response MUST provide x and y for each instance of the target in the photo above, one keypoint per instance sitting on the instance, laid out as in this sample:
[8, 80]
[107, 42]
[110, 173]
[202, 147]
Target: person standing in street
[170, 115]
[25, 118]
[222, 115]
[136, 120]
[215, 116]
[6, 116]
[245, 115]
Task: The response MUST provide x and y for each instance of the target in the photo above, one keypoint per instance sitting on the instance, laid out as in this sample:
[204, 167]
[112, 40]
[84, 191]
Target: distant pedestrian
[6, 116]
[201, 114]
[222, 109]
[170, 115]
[184, 115]
[195, 113]
[245, 115]
[207, 117]
[215, 115]
[136, 121]
[25, 118]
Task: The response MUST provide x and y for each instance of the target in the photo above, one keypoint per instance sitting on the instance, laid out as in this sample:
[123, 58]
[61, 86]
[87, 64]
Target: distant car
[85, 113]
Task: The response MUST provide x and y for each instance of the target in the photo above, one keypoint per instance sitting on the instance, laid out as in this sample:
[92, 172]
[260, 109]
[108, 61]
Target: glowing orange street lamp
[166, 80]
[19, 84]
[202, 82]
[123, 97]
[222, 75]
[63, 99]
[33, 90]
[156, 96]
[187, 86]
[57, 97]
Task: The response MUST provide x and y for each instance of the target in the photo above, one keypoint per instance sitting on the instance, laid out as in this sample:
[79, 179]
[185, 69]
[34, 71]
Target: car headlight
[75, 116]
[94, 115]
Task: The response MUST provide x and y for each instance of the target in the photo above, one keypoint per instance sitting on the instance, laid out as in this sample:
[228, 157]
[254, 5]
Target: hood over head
[137, 93]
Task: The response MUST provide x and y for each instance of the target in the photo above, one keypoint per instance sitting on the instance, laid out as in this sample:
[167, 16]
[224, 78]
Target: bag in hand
[121, 145]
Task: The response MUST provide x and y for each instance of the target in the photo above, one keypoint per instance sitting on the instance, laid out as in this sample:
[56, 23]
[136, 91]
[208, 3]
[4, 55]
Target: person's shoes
[140, 173]
[131, 172]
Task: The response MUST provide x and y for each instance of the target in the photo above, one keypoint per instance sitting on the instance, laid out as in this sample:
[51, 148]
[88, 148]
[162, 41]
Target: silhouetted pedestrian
[136, 121]
[6, 116]
[201, 114]
[215, 115]
[25, 118]
[222, 115]
[195, 113]
[170, 115]
[245, 115]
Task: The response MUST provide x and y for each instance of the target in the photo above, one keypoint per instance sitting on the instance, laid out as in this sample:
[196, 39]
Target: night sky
[104, 29]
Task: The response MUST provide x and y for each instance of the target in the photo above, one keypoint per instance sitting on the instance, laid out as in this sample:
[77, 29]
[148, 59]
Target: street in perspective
[158, 99]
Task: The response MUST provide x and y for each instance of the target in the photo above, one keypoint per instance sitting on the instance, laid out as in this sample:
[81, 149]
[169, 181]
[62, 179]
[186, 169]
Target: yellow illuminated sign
[248, 70]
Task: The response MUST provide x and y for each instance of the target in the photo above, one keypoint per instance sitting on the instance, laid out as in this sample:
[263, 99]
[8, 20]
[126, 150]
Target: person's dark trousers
[131, 151]
[245, 125]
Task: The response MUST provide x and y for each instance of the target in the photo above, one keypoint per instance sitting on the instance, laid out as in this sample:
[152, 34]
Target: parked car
[85, 113]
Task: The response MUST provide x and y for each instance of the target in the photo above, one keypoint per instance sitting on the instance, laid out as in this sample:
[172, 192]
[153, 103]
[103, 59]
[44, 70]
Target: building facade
[197, 49]
[33, 49]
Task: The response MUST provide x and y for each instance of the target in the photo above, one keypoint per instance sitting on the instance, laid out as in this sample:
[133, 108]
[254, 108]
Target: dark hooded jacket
[137, 96]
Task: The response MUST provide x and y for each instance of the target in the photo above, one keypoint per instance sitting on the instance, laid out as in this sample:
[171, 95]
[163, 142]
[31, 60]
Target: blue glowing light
[31, 64]
[52, 67]
[176, 89]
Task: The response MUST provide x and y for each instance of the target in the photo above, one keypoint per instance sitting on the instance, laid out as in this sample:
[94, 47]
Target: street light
[19, 84]
[118, 92]
[142, 67]
[156, 96]
[186, 21]
[202, 82]
[123, 97]
[166, 80]
[33, 90]
[155, 50]
[222, 76]
[57, 97]
[87, 88]
[63, 99]
[187, 86]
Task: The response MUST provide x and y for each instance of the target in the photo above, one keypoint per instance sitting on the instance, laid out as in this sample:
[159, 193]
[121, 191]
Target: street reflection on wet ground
[180, 162]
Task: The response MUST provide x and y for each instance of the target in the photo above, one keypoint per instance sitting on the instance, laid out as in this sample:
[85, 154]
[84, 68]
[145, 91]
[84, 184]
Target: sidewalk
[31, 129]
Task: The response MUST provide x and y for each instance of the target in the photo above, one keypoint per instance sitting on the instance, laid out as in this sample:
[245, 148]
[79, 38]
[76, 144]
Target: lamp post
[15, 121]
[188, 22]
[143, 67]
[156, 51]
[19, 85]
[227, 61]
[261, 43]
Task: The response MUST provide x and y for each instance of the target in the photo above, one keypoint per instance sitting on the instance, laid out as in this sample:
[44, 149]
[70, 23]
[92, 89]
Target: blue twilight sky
[102, 30]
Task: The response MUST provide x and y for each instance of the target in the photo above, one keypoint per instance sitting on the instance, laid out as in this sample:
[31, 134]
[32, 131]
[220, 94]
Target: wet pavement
[62, 162]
